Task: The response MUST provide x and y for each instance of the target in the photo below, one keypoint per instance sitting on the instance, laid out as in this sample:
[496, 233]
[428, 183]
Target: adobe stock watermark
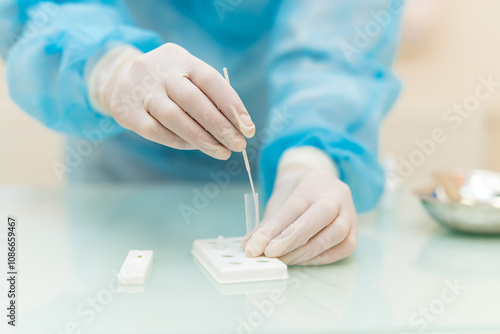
[74, 156]
[429, 313]
[454, 118]
[371, 30]
[220, 180]
[266, 307]
[39, 18]
[222, 7]
[88, 310]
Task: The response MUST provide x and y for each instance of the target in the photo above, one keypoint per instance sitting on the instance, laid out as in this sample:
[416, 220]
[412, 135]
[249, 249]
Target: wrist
[299, 160]
[104, 76]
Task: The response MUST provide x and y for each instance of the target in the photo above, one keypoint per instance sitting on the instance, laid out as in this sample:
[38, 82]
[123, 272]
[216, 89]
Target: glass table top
[408, 275]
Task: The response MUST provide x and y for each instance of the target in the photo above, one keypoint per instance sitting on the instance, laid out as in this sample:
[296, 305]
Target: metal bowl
[478, 208]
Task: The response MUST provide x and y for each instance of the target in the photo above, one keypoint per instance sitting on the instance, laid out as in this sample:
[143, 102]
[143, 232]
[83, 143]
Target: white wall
[27, 148]
[462, 44]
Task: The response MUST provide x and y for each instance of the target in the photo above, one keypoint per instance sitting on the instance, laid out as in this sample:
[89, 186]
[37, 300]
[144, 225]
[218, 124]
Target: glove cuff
[305, 157]
[103, 77]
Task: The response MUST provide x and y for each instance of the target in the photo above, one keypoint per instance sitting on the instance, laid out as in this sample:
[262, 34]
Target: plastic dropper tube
[252, 211]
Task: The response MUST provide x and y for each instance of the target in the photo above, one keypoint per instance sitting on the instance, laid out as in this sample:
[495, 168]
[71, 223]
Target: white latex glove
[170, 97]
[310, 218]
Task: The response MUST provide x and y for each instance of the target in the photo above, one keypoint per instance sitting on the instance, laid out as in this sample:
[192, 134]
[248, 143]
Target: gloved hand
[170, 97]
[310, 218]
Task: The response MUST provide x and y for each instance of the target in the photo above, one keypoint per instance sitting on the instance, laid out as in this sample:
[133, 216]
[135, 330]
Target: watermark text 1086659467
[12, 239]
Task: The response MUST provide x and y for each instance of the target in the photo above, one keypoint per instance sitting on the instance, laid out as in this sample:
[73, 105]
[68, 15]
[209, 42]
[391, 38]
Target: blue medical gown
[309, 72]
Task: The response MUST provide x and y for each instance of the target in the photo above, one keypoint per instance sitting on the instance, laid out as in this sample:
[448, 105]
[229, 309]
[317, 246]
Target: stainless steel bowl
[477, 209]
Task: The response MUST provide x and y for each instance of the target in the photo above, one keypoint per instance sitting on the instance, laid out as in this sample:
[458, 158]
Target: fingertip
[244, 241]
[249, 132]
[272, 250]
[244, 122]
[226, 155]
[221, 154]
[250, 253]
[256, 244]
[239, 145]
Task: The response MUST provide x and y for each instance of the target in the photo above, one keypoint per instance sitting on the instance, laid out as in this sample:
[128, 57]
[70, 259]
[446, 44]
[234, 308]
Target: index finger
[273, 226]
[222, 95]
[315, 219]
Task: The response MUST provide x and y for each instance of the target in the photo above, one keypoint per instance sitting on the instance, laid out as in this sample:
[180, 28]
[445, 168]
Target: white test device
[227, 262]
[136, 267]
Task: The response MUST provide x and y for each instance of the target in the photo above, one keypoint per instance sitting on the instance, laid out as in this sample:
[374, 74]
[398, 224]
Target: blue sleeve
[330, 86]
[47, 46]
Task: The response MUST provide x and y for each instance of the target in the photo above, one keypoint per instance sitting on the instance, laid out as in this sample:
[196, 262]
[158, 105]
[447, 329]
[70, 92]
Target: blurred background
[446, 47]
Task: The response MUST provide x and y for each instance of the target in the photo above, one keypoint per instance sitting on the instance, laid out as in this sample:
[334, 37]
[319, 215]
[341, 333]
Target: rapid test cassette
[226, 261]
[136, 268]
